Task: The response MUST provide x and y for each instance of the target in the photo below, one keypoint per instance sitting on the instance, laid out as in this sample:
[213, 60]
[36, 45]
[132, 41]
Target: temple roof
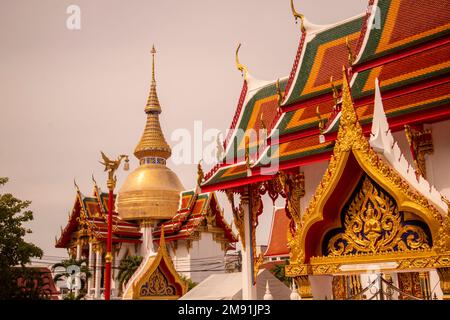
[278, 234]
[196, 212]
[88, 217]
[411, 60]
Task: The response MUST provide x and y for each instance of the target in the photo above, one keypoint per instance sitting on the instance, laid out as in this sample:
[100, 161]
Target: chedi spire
[152, 146]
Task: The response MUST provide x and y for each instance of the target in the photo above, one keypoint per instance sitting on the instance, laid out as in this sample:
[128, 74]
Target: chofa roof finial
[298, 16]
[76, 185]
[240, 66]
[280, 94]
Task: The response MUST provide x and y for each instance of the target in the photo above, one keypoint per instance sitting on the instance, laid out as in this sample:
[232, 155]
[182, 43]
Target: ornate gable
[156, 278]
[364, 210]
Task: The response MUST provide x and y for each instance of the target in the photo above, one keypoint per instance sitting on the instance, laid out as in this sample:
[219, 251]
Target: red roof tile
[278, 235]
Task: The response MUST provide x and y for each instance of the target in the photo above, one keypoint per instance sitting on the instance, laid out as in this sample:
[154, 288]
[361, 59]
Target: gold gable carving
[373, 223]
[152, 281]
[157, 285]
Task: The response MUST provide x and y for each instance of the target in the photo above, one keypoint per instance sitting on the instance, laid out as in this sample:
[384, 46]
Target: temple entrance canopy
[370, 210]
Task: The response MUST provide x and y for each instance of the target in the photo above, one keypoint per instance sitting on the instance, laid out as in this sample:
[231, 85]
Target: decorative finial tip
[153, 50]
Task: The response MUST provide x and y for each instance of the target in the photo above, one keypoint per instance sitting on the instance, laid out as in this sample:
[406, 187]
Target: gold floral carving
[157, 285]
[442, 243]
[293, 186]
[412, 260]
[238, 213]
[256, 210]
[304, 287]
[339, 287]
[421, 144]
[373, 223]
[292, 270]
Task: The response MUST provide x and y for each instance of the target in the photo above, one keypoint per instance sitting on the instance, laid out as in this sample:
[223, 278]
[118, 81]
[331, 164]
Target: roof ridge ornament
[335, 92]
[298, 16]
[351, 56]
[200, 174]
[280, 94]
[321, 120]
[243, 69]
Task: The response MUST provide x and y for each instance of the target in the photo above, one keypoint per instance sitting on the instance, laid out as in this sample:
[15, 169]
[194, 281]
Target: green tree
[278, 272]
[191, 284]
[15, 252]
[84, 275]
[127, 268]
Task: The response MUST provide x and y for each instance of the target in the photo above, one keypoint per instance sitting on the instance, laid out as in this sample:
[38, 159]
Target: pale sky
[67, 94]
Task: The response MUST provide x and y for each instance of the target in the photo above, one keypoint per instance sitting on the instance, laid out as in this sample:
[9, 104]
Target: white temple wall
[435, 286]
[321, 287]
[181, 258]
[437, 164]
[205, 257]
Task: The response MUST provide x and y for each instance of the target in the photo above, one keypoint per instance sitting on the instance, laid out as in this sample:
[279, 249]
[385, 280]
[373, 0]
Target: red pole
[108, 257]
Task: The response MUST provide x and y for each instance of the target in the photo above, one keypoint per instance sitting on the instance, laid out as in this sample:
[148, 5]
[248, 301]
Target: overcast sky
[67, 94]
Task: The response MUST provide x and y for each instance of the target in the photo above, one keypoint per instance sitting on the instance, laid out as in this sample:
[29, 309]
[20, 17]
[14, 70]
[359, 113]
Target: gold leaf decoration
[157, 285]
[373, 224]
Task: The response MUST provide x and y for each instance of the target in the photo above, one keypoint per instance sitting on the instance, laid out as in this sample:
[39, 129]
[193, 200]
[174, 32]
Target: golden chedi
[151, 191]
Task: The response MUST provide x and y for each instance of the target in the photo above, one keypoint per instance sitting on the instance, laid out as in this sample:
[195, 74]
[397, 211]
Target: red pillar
[108, 258]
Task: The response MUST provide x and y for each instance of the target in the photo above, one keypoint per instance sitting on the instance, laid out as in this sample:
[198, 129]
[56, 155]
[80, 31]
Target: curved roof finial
[240, 66]
[334, 90]
[298, 16]
[93, 180]
[351, 56]
[200, 174]
[75, 184]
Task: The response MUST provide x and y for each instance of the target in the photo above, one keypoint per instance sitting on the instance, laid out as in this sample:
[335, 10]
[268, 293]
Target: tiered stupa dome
[152, 191]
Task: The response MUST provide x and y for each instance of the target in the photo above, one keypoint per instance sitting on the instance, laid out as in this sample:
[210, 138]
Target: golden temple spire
[153, 102]
[350, 135]
[152, 143]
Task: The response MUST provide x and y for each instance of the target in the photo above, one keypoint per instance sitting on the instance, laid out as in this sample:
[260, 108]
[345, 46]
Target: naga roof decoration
[404, 43]
[88, 218]
[197, 212]
[156, 278]
[394, 220]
